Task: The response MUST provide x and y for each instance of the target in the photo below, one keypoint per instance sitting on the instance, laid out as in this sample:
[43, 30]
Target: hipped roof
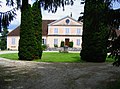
[16, 31]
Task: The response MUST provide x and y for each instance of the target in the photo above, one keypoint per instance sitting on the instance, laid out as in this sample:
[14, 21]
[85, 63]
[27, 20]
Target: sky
[76, 9]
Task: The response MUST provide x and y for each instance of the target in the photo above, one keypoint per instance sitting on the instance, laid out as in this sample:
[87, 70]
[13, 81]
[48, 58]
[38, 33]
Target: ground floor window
[78, 42]
[43, 41]
[55, 41]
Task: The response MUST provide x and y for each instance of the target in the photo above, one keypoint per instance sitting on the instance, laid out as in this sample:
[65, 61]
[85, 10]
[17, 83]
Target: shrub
[62, 44]
[44, 47]
[71, 44]
[55, 45]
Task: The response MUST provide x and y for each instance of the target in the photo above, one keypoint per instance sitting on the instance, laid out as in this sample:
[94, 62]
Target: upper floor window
[13, 41]
[67, 30]
[67, 21]
[78, 30]
[55, 30]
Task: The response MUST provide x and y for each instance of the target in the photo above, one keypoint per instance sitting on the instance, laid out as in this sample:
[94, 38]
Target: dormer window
[67, 21]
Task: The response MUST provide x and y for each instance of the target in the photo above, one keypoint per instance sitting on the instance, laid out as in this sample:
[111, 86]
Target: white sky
[76, 9]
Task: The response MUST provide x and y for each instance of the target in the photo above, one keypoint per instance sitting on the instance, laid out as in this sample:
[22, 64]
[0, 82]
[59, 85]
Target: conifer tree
[95, 31]
[3, 39]
[37, 26]
[27, 43]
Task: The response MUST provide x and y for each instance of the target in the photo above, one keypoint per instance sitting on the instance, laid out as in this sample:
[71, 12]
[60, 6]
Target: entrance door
[67, 42]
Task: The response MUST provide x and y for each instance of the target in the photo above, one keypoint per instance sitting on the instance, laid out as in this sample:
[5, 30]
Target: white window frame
[78, 31]
[78, 42]
[43, 41]
[55, 41]
[55, 30]
[67, 30]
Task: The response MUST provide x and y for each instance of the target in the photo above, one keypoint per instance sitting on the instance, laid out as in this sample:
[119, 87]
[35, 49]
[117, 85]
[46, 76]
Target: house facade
[53, 33]
[13, 39]
[66, 29]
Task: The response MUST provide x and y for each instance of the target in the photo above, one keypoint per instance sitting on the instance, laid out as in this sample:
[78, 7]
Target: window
[67, 30]
[43, 41]
[67, 21]
[78, 30]
[13, 41]
[55, 41]
[55, 30]
[78, 42]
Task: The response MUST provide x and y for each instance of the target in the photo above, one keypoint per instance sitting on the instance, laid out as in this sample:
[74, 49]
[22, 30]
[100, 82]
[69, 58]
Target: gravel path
[33, 75]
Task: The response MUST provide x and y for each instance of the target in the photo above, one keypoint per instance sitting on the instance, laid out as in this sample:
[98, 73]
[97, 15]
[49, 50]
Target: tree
[98, 17]
[3, 39]
[27, 43]
[95, 31]
[37, 26]
[114, 37]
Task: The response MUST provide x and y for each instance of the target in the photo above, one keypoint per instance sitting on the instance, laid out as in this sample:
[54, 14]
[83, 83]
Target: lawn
[53, 57]
[49, 57]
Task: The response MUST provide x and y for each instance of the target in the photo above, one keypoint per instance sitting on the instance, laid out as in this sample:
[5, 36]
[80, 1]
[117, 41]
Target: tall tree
[3, 39]
[37, 26]
[95, 31]
[27, 43]
[114, 37]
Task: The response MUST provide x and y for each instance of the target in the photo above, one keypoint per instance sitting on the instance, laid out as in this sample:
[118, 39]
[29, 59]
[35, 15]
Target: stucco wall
[10, 45]
[61, 30]
[50, 40]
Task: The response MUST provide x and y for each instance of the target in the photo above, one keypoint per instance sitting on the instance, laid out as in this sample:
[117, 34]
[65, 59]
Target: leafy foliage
[62, 44]
[71, 44]
[44, 47]
[7, 17]
[52, 5]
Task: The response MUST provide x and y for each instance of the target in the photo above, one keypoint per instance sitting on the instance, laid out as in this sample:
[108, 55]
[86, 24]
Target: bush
[62, 44]
[55, 45]
[71, 44]
[44, 47]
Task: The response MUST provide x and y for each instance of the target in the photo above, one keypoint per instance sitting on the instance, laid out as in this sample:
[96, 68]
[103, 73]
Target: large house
[53, 33]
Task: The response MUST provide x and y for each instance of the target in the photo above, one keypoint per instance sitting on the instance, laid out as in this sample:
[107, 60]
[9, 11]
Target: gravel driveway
[34, 75]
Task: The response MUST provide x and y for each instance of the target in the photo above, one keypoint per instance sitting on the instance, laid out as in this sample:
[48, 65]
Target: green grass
[49, 57]
[13, 56]
[53, 57]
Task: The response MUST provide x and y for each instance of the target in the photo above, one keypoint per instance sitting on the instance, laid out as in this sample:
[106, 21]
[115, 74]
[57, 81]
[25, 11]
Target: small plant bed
[53, 57]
